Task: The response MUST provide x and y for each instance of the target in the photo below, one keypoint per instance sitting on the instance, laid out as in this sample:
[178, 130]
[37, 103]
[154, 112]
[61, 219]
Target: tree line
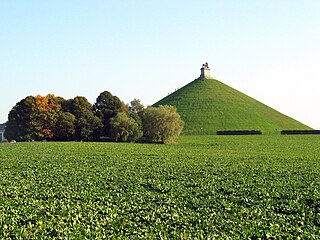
[53, 118]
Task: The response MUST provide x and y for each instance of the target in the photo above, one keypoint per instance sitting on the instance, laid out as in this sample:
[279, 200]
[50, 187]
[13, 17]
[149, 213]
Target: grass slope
[207, 105]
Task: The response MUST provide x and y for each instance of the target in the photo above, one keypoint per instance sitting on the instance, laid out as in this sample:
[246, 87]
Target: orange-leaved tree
[45, 116]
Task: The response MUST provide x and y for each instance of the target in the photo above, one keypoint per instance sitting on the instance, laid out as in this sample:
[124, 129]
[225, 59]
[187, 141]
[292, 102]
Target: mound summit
[207, 105]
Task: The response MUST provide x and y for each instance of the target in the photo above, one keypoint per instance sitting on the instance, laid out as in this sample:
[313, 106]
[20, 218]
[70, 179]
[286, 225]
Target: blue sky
[267, 49]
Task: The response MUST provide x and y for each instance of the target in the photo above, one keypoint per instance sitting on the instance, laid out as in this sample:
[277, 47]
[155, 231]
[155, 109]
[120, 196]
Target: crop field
[237, 187]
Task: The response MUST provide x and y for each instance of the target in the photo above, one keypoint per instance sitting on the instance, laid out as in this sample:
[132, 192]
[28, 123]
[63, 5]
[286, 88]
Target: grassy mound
[207, 105]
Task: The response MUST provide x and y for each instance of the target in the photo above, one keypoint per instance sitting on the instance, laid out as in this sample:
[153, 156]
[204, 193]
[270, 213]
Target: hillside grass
[237, 187]
[207, 105]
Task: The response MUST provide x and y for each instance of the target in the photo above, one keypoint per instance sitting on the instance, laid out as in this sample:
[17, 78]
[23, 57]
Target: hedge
[239, 132]
[288, 132]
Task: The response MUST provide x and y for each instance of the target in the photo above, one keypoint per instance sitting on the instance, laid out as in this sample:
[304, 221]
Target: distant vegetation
[207, 106]
[108, 119]
[233, 187]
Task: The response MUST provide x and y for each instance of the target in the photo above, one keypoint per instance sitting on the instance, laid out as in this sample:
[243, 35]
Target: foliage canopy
[106, 107]
[126, 128]
[161, 124]
[54, 118]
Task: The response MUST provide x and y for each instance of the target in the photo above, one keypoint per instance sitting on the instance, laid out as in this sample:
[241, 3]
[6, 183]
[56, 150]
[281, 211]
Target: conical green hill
[207, 105]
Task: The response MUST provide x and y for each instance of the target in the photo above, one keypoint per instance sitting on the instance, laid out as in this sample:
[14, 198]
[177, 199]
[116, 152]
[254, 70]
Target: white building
[2, 128]
[205, 71]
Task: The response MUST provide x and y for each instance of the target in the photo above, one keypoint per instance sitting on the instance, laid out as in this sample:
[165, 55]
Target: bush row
[289, 132]
[239, 132]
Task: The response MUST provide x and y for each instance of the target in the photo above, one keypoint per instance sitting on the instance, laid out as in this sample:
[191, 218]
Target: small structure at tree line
[205, 71]
[2, 129]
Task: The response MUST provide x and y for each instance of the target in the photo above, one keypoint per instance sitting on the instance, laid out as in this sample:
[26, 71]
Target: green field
[208, 105]
[241, 187]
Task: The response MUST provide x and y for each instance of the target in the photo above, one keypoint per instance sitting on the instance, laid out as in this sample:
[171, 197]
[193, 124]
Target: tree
[33, 118]
[87, 125]
[161, 124]
[19, 120]
[106, 107]
[45, 116]
[76, 105]
[136, 106]
[125, 128]
[65, 127]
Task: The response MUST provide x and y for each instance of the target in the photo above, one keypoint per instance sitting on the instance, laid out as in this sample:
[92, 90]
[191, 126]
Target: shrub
[239, 132]
[287, 132]
[161, 124]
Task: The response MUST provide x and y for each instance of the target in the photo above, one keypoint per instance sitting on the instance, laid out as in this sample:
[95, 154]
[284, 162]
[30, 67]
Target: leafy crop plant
[225, 187]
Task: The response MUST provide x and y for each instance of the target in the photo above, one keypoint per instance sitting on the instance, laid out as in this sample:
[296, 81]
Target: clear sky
[268, 49]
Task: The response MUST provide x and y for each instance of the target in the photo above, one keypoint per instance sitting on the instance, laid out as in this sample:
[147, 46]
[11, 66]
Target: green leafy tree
[125, 128]
[106, 107]
[136, 106]
[19, 120]
[161, 124]
[33, 118]
[65, 127]
[76, 105]
[87, 125]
